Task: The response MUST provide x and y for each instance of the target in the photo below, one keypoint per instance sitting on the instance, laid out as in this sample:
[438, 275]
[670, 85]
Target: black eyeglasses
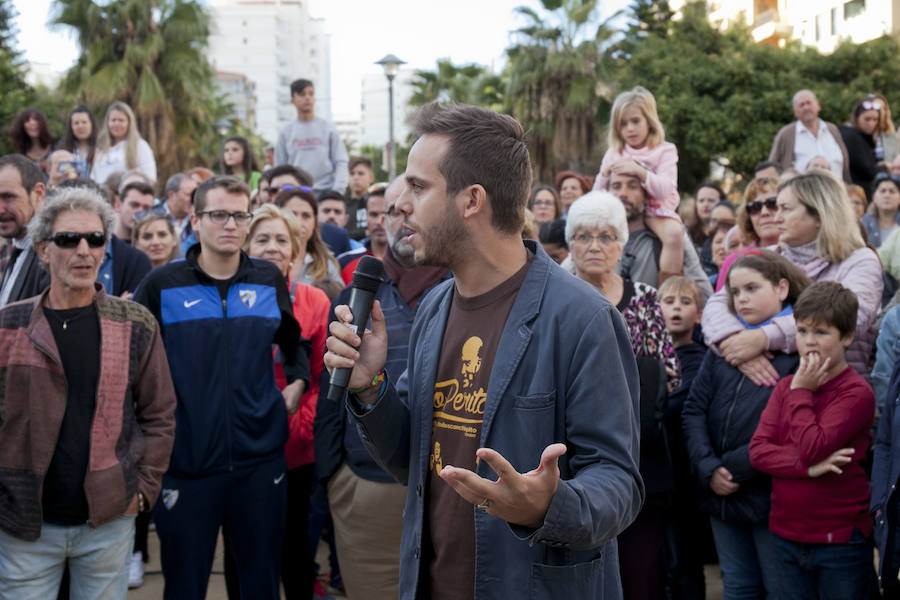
[71, 239]
[156, 211]
[756, 206]
[220, 217]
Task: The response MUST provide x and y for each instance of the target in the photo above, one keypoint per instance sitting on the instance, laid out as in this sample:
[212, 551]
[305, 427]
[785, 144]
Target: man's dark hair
[229, 183]
[765, 165]
[302, 177]
[29, 172]
[329, 195]
[360, 160]
[83, 183]
[830, 303]
[553, 232]
[487, 149]
[298, 85]
[140, 187]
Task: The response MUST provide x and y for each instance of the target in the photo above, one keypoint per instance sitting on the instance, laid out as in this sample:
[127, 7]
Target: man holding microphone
[515, 424]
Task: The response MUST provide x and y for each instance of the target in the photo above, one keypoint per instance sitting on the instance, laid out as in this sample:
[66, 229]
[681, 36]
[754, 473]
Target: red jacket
[800, 428]
[311, 308]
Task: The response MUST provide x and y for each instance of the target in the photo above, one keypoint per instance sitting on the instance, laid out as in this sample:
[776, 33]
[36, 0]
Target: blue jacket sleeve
[885, 355]
[883, 450]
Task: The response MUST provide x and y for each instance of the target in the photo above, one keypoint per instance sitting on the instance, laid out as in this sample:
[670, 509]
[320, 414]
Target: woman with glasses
[120, 146]
[818, 233]
[859, 135]
[314, 264]
[275, 235]
[154, 234]
[756, 221]
[596, 231]
[544, 204]
[883, 215]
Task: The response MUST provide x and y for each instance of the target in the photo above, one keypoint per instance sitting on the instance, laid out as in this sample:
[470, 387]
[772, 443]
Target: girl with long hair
[238, 160]
[120, 146]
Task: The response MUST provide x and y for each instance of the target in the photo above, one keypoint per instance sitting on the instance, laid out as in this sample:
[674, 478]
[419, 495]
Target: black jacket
[33, 277]
[861, 150]
[720, 416]
[129, 267]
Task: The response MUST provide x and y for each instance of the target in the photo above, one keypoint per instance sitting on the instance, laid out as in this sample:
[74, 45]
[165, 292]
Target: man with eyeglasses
[809, 136]
[124, 266]
[22, 191]
[640, 257]
[87, 427]
[220, 313]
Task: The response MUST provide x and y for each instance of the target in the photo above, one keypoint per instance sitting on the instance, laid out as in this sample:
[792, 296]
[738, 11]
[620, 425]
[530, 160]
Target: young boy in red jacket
[812, 438]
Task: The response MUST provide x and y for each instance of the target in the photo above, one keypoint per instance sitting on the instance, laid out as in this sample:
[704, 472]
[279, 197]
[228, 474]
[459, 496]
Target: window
[854, 8]
[834, 17]
[818, 27]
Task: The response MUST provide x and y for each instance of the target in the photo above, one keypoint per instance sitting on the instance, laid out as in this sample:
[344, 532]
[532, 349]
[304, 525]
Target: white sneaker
[136, 571]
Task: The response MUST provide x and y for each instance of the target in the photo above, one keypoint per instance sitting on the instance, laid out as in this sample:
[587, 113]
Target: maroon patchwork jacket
[134, 422]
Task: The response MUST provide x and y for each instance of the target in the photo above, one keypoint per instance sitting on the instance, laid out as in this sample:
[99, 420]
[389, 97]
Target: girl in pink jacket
[638, 148]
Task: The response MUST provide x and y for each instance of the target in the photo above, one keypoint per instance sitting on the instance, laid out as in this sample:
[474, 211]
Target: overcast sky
[417, 31]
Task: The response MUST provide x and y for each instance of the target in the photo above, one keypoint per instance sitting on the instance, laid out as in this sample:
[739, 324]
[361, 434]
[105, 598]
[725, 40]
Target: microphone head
[369, 274]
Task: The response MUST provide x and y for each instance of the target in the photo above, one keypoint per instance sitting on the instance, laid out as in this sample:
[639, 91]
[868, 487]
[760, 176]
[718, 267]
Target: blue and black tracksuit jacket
[229, 414]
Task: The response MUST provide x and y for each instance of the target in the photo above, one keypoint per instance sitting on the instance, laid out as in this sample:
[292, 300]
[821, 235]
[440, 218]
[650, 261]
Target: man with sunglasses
[87, 426]
[809, 136]
[640, 258]
[220, 314]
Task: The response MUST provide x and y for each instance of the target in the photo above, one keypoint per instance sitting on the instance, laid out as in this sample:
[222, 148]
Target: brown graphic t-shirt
[471, 337]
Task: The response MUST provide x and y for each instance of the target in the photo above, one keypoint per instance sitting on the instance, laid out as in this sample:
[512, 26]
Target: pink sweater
[800, 428]
[661, 184]
[860, 273]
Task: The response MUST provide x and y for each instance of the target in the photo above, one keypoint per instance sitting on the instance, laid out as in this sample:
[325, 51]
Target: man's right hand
[345, 351]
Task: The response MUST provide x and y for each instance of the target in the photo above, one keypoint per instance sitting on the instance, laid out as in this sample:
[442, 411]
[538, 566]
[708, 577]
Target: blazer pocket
[584, 580]
[535, 401]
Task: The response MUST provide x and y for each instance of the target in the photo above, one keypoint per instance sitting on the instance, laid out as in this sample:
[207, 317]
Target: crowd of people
[167, 348]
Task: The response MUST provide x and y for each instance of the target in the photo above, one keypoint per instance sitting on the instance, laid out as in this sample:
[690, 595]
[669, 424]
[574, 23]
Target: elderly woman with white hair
[596, 230]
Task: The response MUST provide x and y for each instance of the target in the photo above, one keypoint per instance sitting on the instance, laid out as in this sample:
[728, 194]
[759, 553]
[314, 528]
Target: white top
[808, 146]
[114, 161]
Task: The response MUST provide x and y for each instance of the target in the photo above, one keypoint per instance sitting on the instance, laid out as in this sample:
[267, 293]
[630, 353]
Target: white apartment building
[822, 24]
[373, 108]
[272, 43]
[348, 128]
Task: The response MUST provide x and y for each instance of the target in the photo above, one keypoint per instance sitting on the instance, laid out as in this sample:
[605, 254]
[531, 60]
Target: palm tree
[469, 84]
[151, 55]
[556, 70]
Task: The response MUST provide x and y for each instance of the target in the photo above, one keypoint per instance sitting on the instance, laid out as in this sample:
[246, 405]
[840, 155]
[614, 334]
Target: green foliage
[466, 84]
[150, 54]
[15, 94]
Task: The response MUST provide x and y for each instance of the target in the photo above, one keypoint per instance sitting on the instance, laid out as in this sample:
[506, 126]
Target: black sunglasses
[71, 239]
[756, 206]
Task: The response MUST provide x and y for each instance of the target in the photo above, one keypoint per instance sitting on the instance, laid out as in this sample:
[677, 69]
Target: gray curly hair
[70, 199]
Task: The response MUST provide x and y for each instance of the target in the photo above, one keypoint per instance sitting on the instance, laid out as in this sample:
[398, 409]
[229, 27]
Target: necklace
[71, 315]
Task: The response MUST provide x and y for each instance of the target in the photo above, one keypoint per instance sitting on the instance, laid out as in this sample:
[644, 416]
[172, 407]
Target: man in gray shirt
[312, 143]
[640, 258]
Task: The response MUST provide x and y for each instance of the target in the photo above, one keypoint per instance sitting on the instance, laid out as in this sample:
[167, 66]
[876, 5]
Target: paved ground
[153, 579]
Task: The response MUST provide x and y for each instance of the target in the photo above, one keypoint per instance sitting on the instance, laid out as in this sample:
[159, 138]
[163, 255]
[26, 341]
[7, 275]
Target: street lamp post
[391, 65]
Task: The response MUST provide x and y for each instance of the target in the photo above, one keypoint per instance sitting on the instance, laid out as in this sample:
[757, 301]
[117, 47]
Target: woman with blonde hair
[154, 235]
[120, 146]
[313, 264]
[755, 219]
[818, 233]
[275, 235]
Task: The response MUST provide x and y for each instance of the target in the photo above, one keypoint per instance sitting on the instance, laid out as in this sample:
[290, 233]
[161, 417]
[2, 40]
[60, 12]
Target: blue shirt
[105, 273]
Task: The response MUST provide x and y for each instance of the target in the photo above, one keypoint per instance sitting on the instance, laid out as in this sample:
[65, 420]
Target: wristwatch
[142, 502]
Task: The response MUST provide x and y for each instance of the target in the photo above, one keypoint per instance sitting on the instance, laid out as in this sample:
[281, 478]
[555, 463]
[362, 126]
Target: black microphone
[367, 277]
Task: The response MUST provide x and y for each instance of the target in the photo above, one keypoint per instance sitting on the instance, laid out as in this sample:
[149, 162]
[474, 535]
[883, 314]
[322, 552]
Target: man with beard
[366, 502]
[376, 242]
[515, 424]
[640, 258]
[22, 191]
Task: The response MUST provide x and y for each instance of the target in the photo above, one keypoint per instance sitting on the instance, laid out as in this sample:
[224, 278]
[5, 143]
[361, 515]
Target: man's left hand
[518, 498]
[292, 394]
[133, 506]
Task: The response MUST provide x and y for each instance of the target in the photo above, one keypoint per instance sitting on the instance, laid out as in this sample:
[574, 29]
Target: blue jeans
[824, 571]
[747, 558]
[98, 561]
